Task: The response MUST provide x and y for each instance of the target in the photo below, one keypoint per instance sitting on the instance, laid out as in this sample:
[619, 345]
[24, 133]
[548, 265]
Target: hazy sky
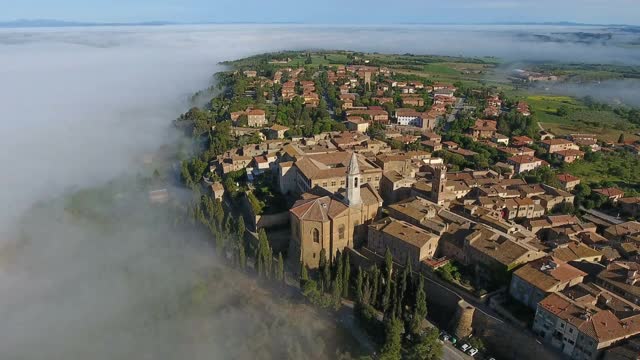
[328, 11]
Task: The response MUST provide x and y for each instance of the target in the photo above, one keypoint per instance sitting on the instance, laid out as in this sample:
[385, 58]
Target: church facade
[333, 222]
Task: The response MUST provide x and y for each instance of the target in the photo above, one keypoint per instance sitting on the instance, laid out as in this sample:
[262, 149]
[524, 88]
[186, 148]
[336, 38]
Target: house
[357, 123]
[374, 113]
[217, 190]
[613, 194]
[408, 117]
[523, 108]
[568, 181]
[519, 141]
[584, 320]
[484, 129]
[277, 131]
[406, 242]
[556, 145]
[250, 73]
[536, 280]
[621, 278]
[500, 139]
[569, 156]
[630, 205]
[256, 118]
[327, 170]
[524, 163]
[395, 187]
[412, 100]
[618, 232]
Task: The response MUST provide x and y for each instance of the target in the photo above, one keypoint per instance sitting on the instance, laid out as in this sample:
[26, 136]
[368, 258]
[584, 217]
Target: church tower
[353, 182]
[439, 184]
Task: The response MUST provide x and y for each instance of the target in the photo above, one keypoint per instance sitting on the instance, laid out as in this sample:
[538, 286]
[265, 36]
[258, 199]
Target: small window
[316, 236]
[341, 232]
[355, 182]
[333, 183]
[314, 255]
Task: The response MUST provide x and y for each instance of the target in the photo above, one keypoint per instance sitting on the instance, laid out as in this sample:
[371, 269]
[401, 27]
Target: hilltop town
[384, 183]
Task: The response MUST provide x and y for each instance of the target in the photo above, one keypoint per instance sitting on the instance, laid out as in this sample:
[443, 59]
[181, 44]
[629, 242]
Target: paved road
[456, 109]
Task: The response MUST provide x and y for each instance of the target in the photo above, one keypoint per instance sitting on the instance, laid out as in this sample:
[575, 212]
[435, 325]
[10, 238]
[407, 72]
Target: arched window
[355, 182]
[341, 232]
[316, 235]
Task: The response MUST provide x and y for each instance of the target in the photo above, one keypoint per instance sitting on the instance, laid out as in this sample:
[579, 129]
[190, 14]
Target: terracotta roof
[574, 252]
[601, 325]
[610, 192]
[566, 178]
[523, 159]
[546, 273]
[318, 208]
[405, 232]
[485, 125]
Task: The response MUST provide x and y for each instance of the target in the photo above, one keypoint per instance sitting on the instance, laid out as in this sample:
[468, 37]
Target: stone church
[322, 220]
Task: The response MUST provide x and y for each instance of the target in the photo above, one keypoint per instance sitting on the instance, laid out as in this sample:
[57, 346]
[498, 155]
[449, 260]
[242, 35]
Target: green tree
[280, 268]
[323, 267]
[304, 274]
[427, 347]
[359, 285]
[420, 310]
[337, 281]
[346, 275]
[388, 271]
[392, 348]
[240, 229]
[621, 138]
[242, 256]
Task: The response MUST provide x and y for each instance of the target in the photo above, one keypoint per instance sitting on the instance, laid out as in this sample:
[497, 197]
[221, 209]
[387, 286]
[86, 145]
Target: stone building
[332, 221]
[406, 242]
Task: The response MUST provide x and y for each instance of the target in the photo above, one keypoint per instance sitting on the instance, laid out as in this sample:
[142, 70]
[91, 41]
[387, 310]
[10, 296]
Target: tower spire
[353, 181]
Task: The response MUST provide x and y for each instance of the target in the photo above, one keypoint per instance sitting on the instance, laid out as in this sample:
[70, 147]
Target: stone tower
[461, 324]
[439, 184]
[353, 182]
[367, 78]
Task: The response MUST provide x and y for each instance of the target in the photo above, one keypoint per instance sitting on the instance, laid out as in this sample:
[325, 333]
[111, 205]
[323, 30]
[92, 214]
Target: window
[342, 182]
[314, 255]
[316, 236]
[341, 232]
[355, 182]
[324, 184]
[333, 183]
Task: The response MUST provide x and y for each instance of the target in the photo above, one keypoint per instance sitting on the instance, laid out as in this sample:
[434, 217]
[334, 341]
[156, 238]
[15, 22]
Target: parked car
[472, 351]
[465, 347]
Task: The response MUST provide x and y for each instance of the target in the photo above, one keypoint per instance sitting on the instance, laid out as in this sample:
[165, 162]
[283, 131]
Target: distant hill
[38, 23]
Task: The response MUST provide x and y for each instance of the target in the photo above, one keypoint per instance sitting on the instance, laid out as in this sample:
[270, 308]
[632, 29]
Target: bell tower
[439, 184]
[353, 182]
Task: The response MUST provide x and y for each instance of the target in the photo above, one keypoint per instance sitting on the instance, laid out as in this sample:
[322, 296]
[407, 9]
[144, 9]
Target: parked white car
[472, 351]
[465, 347]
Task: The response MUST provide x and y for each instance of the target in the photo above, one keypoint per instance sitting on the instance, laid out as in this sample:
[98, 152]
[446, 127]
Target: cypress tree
[359, 286]
[240, 228]
[420, 310]
[337, 281]
[401, 286]
[280, 268]
[346, 275]
[304, 275]
[392, 348]
[242, 256]
[321, 267]
[375, 281]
